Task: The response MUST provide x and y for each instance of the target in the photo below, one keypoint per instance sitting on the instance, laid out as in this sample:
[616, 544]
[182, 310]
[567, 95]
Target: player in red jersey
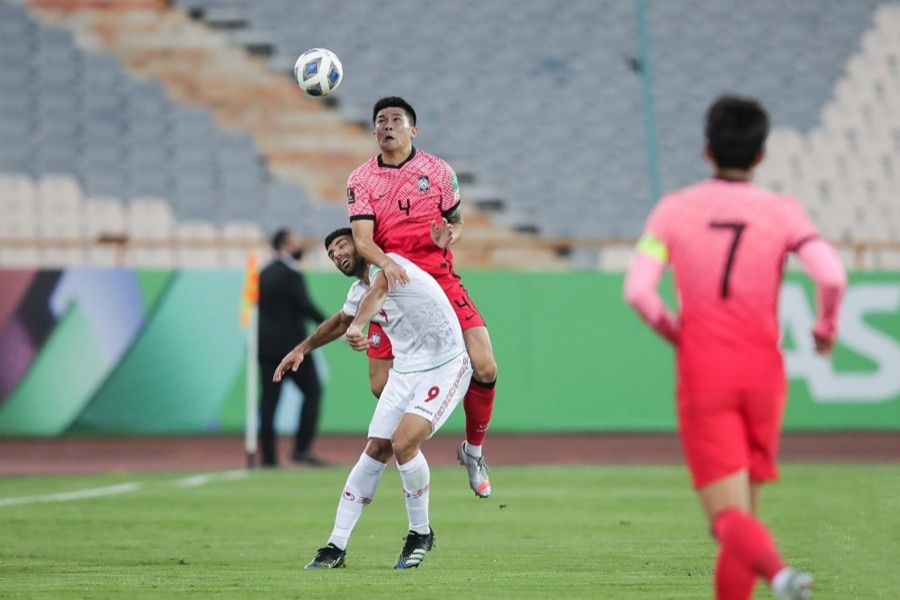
[407, 201]
[726, 241]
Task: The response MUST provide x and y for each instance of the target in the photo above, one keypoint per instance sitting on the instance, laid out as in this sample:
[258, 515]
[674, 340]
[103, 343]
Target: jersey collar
[408, 158]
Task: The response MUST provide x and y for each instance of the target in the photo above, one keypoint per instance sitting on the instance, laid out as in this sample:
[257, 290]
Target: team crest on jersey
[350, 197]
[424, 184]
[375, 340]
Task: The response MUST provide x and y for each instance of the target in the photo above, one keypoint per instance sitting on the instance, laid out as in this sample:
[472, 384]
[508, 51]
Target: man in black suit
[284, 308]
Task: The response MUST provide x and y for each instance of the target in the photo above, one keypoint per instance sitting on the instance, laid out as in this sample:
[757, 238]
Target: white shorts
[430, 394]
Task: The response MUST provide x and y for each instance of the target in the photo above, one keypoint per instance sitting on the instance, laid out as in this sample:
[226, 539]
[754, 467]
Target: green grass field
[547, 532]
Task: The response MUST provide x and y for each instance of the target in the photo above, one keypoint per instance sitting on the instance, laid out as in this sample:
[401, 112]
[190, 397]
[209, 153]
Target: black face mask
[297, 254]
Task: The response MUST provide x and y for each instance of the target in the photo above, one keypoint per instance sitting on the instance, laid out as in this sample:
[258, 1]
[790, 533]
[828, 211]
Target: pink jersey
[403, 201]
[726, 243]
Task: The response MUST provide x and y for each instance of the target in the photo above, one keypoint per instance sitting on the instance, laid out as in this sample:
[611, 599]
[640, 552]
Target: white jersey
[417, 317]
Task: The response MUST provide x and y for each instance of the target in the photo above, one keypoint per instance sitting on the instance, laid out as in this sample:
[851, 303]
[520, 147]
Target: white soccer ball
[318, 72]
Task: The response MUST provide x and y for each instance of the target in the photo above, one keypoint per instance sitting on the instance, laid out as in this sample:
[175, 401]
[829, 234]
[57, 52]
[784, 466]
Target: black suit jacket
[284, 308]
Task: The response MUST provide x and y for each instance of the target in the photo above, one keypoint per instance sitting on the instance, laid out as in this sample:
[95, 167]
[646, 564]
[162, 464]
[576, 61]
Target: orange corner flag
[251, 289]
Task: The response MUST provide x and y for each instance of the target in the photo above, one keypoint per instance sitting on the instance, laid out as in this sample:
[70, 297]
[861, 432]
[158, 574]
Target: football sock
[732, 580]
[416, 478]
[748, 542]
[478, 405]
[781, 579]
[473, 450]
[358, 492]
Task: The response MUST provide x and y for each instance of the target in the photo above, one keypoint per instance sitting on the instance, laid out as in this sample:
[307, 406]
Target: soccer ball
[318, 72]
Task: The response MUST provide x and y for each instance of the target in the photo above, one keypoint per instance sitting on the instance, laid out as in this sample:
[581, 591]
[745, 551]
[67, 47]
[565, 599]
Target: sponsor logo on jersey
[350, 197]
[375, 340]
[424, 184]
[422, 409]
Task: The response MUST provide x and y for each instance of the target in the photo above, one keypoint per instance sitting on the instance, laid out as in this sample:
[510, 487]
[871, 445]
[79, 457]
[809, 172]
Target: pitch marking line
[204, 478]
[124, 488]
[112, 490]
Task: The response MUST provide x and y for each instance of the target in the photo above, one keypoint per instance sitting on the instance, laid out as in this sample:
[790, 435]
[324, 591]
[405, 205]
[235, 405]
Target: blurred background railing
[478, 252]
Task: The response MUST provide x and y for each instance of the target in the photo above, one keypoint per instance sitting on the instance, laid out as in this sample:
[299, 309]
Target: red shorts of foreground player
[466, 312]
[727, 431]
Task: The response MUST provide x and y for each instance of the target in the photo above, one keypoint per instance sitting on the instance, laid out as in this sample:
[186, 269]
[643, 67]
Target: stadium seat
[199, 232]
[150, 217]
[19, 219]
[240, 237]
[150, 224]
[104, 217]
[16, 191]
[58, 192]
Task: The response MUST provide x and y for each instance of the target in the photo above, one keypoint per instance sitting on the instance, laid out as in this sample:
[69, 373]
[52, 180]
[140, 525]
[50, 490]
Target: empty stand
[548, 109]
[69, 111]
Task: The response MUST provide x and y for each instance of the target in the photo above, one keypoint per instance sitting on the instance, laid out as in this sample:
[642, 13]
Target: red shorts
[466, 312]
[379, 343]
[725, 432]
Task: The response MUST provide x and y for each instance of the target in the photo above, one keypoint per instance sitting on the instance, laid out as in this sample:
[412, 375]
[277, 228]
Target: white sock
[416, 478]
[473, 451]
[358, 492]
[780, 579]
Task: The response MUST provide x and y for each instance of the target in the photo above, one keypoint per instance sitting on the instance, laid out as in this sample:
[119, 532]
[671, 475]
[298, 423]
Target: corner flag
[251, 289]
[249, 301]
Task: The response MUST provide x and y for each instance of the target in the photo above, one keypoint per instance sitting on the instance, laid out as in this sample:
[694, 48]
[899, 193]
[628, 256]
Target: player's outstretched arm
[328, 331]
[822, 263]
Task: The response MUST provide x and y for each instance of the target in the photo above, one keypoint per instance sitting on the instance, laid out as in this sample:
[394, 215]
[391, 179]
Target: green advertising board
[168, 357]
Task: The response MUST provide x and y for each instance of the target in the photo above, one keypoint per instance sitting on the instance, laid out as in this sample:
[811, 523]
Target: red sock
[479, 405]
[748, 542]
[732, 580]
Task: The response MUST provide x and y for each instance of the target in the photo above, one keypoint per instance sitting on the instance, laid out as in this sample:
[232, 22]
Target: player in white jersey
[429, 378]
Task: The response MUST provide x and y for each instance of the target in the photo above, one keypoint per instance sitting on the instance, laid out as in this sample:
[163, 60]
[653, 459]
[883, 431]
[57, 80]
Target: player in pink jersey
[406, 201]
[726, 241]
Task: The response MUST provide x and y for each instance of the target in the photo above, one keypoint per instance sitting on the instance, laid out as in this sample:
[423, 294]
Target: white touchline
[122, 488]
[204, 478]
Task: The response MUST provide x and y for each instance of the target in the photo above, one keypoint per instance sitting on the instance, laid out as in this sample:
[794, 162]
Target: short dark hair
[736, 131]
[394, 102]
[279, 238]
[336, 234]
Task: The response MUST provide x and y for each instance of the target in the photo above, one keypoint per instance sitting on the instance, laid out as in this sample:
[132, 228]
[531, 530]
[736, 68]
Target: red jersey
[403, 200]
[726, 243]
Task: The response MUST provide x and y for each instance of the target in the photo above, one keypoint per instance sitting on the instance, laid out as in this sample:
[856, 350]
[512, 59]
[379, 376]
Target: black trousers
[307, 379]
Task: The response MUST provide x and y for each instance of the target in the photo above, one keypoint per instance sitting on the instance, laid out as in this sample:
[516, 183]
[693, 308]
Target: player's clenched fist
[356, 338]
